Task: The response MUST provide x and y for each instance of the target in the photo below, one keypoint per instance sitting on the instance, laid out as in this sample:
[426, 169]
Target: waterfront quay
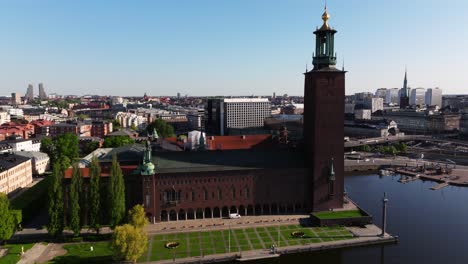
[251, 238]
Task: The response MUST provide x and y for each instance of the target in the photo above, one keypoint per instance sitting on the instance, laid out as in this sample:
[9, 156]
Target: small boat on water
[384, 172]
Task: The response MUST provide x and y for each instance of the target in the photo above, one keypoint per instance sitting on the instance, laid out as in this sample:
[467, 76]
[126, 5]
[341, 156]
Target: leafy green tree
[162, 127]
[136, 216]
[55, 225]
[129, 243]
[67, 145]
[90, 147]
[94, 195]
[7, 221]
[48, 146]
[117, 141]
[116, 194]
[74, 201]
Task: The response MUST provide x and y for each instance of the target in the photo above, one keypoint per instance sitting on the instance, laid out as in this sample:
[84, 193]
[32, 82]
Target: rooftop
[8, 161]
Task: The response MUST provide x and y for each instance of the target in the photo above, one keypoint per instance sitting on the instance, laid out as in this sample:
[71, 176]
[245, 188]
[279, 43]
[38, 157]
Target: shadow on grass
[77, 260]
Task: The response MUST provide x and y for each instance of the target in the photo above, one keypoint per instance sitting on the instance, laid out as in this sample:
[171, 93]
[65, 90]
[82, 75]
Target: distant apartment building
[15, 172]
[40, 161]
[417, 96]
[349, 108]
[42, 93]
[13, 129]
[381, 93]
[21, 144]
[29, 96]
[129, 120]
[16, 113]
[101, 128]
[4, 117]
[15, 99]
[434, 97]
[362, 114]
[464, 124]
[392, 96]
[374, 104]
[80, 129]
[224, 115]
[41, 127]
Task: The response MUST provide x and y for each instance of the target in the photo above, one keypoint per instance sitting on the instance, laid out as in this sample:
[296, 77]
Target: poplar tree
[94, 195]
[116, 194]
[74, 201]
[55, 210]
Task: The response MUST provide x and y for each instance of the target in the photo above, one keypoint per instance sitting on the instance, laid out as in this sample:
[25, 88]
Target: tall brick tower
[324, 93]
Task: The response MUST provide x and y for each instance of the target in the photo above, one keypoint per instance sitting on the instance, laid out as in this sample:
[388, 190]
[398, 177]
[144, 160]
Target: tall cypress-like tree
[74, 201]
[94, 195]
[116, 194]
[55, 225]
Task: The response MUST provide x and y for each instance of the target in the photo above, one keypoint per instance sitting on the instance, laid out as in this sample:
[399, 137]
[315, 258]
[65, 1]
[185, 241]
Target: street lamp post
[384, 214]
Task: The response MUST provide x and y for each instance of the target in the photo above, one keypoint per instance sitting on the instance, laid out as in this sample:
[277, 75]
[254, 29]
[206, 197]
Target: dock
[439, 186]
[409, 179]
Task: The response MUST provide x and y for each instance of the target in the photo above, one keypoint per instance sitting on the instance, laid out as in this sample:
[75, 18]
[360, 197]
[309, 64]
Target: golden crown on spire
[325, 17]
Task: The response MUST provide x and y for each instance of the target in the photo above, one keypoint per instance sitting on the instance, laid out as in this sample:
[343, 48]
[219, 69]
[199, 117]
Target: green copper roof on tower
[325, 56]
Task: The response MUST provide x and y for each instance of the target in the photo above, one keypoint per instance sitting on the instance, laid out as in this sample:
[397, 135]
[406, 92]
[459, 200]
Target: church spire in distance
[325, 56]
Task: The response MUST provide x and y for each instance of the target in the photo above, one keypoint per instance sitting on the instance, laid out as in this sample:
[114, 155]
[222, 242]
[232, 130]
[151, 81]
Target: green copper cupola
[324, 56]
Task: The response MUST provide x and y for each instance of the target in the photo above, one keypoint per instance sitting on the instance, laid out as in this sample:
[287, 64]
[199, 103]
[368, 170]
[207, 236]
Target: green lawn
[195, 244]
[14, 253]
[338, 214]
[81, 253]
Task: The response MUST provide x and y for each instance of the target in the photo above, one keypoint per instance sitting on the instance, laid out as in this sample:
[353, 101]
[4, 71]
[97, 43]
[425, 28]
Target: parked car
[234, 216]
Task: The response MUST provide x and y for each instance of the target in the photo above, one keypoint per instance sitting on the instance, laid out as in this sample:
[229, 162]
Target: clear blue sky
[216, 47]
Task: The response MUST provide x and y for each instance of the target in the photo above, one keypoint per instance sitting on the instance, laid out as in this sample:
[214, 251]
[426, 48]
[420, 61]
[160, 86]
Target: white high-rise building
[434, 97]
[392, 96]
[417, 96]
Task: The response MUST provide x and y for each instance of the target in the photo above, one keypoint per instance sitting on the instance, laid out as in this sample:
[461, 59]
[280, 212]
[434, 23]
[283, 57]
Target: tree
[117, 141]
[116, 194]
[162, 127]
[136, 216]
[48, 146]
[94, 195]
[74, 201]
[7, 226]
[90, 147]
[55, 225]
[129, 243]
[67, 145]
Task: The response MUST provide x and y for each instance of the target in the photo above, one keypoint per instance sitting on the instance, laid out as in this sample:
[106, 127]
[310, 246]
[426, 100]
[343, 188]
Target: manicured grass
[81, 253]
[338, 214]
[14, 253]
[196, 244]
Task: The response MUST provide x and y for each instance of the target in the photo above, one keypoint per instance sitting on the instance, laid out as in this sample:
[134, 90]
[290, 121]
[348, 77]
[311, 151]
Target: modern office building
[392, 96]
[434, 97]
[223, 115]
[418, 96]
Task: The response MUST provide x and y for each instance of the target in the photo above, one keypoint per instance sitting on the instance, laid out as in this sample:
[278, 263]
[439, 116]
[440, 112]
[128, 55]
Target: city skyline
[242, 48]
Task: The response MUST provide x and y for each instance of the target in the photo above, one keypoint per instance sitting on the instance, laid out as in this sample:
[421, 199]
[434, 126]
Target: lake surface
[432, 225]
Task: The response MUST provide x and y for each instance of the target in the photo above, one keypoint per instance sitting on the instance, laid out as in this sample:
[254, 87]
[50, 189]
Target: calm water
[432, 225]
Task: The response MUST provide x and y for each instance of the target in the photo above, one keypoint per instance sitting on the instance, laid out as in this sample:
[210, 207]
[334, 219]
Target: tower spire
[325, 56]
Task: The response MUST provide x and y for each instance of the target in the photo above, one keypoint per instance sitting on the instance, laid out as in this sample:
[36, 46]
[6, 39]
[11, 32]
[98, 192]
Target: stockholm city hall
[273, 178]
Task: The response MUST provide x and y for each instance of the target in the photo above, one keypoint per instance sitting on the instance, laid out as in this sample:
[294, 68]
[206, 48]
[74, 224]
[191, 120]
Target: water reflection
[432, 225]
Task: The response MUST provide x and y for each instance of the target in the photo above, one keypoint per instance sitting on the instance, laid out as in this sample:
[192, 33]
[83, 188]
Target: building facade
[434, 97]
[236, 114]
[40, 161]
[15, 172]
